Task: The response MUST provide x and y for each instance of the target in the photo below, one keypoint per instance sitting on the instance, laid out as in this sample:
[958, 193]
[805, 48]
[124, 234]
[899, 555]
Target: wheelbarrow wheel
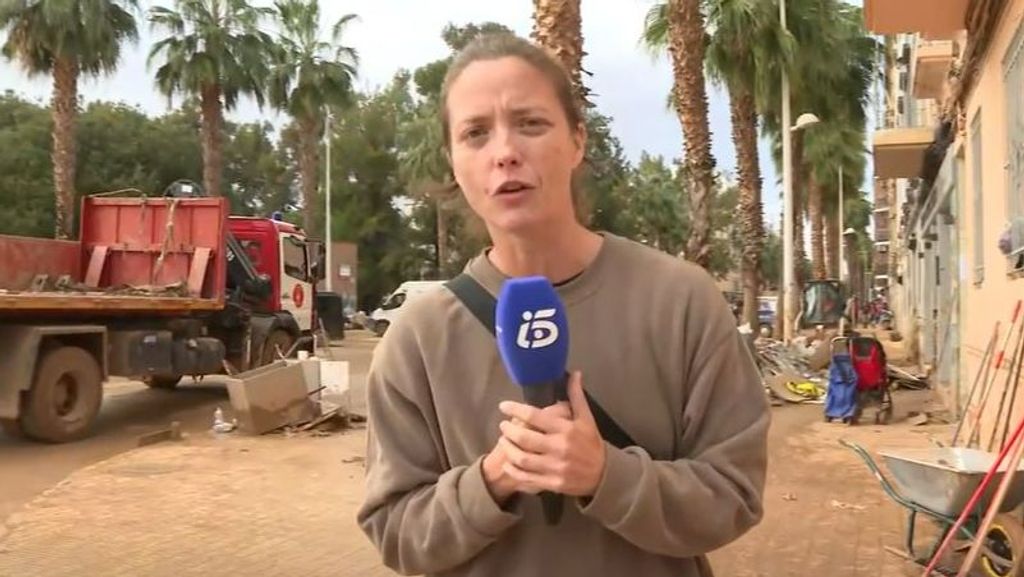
[1004, 555]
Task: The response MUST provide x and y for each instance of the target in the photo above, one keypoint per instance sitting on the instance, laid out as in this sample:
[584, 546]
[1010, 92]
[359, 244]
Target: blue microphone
[533, 339]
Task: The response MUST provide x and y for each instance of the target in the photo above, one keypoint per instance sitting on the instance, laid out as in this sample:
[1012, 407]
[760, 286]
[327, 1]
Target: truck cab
[282, 252]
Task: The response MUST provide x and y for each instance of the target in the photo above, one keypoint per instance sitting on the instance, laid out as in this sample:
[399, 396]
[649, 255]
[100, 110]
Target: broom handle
[977, 379]
[975, 430]
[993, 508]
[975, 497]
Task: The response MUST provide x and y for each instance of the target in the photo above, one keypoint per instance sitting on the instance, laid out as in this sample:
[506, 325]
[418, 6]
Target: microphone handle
[540, 396]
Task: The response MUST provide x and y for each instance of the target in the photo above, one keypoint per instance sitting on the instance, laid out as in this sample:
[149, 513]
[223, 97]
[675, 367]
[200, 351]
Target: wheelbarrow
[937, 483]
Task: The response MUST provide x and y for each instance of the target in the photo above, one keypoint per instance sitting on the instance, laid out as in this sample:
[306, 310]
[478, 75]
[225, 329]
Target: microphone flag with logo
[533, 339]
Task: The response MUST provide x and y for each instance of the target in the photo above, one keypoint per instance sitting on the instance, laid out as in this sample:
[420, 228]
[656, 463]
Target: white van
[382, 318]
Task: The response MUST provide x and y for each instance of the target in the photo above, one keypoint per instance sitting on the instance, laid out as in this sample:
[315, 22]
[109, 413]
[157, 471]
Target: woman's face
[512, 150]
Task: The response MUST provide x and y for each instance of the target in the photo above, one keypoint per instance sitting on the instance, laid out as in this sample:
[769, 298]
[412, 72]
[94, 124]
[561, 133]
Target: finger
[577, 399]
[547, 421]
[525, 438]
[525, 460]
[527, 482]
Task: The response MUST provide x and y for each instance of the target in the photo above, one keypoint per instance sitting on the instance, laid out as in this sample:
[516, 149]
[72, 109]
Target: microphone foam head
[532, 330]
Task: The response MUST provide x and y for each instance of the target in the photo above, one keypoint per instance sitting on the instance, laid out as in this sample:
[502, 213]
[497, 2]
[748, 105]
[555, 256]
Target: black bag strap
[480, 302]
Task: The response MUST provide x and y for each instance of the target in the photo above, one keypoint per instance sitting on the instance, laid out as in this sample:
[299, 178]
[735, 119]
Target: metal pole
[329, 276]
[842, 263]
[842, 231]
[788, 272]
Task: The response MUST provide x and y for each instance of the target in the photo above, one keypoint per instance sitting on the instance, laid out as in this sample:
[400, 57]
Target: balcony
[932, 61]
[933, 18]
[899, 152]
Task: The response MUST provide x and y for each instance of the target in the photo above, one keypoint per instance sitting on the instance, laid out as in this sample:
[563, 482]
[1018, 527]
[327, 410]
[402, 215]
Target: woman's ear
[579, 136]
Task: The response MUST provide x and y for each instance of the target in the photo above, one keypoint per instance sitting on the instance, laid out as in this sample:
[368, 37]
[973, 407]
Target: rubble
[787, 370]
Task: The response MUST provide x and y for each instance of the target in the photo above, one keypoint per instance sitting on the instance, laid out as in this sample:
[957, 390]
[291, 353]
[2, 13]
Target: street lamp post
[329, 277]
[788, 277]
[842, 239]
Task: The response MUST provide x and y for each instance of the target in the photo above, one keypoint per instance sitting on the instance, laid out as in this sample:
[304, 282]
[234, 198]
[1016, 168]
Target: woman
[453, 461]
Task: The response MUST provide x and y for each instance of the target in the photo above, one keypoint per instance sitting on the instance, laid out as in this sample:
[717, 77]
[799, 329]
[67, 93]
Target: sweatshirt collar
[575, 290]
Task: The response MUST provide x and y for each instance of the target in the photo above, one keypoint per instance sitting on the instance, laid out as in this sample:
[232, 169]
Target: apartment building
[949, 157]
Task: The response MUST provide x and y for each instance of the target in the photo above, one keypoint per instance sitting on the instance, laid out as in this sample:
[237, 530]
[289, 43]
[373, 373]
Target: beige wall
[993, 300]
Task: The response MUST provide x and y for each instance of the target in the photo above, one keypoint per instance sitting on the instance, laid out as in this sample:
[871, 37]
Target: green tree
[66, 39]
[215, 51]
[26, 177]
[258, 179]
[311, 76]
[113, 144]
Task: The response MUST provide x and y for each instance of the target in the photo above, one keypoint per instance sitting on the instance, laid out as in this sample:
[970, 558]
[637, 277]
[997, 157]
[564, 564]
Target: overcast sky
[629, 85]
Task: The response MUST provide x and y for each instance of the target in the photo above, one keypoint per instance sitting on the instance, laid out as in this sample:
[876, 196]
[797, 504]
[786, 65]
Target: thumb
[577, 400]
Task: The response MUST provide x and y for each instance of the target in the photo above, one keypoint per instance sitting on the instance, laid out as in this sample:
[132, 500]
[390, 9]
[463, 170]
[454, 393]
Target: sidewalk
[240, 506]
[285, 506]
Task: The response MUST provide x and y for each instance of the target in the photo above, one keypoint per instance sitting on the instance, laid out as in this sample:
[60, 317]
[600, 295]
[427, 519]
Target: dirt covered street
[285, 505]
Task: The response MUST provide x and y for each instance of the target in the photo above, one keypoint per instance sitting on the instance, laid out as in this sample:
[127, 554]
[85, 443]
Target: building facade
[952, 162]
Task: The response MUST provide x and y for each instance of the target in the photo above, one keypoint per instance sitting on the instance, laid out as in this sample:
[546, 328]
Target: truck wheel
[65, 396]
[278, 339]
[380, 327]
[167, 383]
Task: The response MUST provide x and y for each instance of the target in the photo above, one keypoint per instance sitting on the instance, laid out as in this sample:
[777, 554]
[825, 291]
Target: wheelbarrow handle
[877, 472]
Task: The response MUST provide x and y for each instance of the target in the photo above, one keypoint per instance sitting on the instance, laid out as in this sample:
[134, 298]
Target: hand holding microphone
[551, 443]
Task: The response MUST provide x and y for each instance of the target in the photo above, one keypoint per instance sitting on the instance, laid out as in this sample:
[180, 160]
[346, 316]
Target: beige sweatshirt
[658, 349]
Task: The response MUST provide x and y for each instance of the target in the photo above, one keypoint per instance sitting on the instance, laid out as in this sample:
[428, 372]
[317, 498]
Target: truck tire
[166, 383]
[65, 396]
[278, 338]
[380, 327]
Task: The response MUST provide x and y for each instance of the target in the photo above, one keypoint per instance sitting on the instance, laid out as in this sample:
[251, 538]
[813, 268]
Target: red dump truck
[154, 289]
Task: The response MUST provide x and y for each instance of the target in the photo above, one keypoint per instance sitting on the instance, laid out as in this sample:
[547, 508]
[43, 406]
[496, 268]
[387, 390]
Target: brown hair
[503, 45]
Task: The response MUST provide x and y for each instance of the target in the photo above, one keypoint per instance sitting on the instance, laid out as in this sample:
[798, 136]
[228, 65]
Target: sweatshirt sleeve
[423, 515]
[712, 494]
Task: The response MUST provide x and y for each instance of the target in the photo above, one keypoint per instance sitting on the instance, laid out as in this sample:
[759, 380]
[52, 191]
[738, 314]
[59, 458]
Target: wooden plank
[96, 262]
[197, 272]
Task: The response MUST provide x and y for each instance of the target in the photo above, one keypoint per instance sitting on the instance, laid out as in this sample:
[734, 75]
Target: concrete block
[270, 397]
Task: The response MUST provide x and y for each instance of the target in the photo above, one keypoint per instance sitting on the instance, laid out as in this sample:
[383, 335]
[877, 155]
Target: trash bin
[331, 309]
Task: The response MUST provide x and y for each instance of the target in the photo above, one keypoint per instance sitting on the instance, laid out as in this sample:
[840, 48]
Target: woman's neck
[559, 253]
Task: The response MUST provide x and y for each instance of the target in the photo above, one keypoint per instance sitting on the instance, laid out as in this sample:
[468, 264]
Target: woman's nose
[507, 152]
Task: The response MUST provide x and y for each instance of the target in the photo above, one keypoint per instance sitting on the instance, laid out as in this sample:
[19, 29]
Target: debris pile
[788, 372]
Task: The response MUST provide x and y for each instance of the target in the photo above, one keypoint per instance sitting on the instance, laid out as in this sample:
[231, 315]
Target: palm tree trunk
[213, 158]
[557, 27]
[744, 135]
[815, 215]
[65, 108]
[832, 240]
[686, 45]
[309, 170]
[799, 209]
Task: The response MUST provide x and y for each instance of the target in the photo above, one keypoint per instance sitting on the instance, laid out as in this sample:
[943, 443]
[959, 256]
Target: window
[294, 253]
[1013, 81]
[978, 210]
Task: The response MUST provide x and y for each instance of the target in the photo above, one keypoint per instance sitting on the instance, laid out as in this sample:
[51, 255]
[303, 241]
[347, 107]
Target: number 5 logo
[536, 331]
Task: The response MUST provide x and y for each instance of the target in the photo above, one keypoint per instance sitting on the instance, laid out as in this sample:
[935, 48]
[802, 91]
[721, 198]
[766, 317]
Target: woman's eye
[474, 133]
[533, 123]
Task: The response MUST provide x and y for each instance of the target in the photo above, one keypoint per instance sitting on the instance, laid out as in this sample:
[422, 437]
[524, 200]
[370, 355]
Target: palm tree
[557, 27]
[743, 36]
[66, 39]
[215, 50]
[311, 75]
[424, 169]
[679, 24]
[831, 74]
